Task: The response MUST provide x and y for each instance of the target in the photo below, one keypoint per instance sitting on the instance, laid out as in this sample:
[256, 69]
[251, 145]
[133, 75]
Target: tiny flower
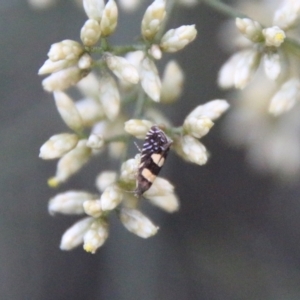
[155, 51]
[85, 62]
[172, 82]
[192, 150]
[272, 65]
[70, 202]
[176, 39]
[58, 145]
[92, 208]
[212, 109]
[109, 97]
[122, 68]
[105, 179]
[95, 236]
[274, 36]
[137, 223]
[150, 80]
[50, 66]
[63, 79]
[129, 169]
[95, 141]
[90, 32]
[109, 18]
[65, 50]
[90, 111]
[68, 111]
[111, 197]
[152, 20]
[72, 162]
[138, 128]
[286, 97]
[93, 9]
[73, 237]
[251, 29]
[161, 194]
[197, 126]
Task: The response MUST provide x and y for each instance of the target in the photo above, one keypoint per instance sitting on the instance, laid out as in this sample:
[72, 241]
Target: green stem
[293, 46]
[224, 9]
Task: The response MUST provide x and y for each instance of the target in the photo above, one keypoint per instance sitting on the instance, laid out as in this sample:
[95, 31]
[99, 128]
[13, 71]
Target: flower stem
[224, 8]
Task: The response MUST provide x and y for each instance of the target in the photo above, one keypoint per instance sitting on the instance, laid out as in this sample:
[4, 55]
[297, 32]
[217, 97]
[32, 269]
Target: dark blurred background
[235, 237]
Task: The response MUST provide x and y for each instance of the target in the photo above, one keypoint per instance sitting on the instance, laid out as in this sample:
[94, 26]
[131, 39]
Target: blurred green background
[236, 236]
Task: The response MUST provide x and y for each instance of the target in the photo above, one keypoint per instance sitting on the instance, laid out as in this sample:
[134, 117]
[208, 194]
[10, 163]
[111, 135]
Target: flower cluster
[99, 120]
[272, 55]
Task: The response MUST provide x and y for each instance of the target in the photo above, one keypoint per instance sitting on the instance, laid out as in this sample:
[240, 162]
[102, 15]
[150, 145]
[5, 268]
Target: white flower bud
[192, 150]
[137, 223]
[50, 66]
[135, 58]
[73, 237]
[122, 68]
[197, 126]
[109, 97]
[287, 15]
[150, 80]
[176, 39]
[70, 202]
[85, 62]
[129, 169]
[68, 111]
[95, 236]
[94, 9]
[157, 117]
[274, 36]
[172, 82]
[89, 86]
[92, 208]
[71, 163]
[286, 97]
[90, 32]
[152, 20]
[155, 51]
[111, 197]
[63, 79]
[65, 50]
[41, 4]
[95, 141]
[212, 109]
[109, 19]
[272, 65]
[129, 5]
[58, 145]
[227, 71]
[90, 111]
[245, 68]
[161, 194]
[251, 29]
[105, 179]
[138, 128]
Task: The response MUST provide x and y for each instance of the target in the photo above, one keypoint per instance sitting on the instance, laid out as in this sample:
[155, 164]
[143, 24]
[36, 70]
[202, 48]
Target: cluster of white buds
[98, 120]
[196, 125]
[265, 43]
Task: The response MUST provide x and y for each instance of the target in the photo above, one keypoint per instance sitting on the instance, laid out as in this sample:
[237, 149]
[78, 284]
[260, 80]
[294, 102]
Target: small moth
[155, 150]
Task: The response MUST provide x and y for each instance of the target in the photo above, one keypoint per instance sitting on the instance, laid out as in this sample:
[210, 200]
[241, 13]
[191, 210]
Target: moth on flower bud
[155, 150]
